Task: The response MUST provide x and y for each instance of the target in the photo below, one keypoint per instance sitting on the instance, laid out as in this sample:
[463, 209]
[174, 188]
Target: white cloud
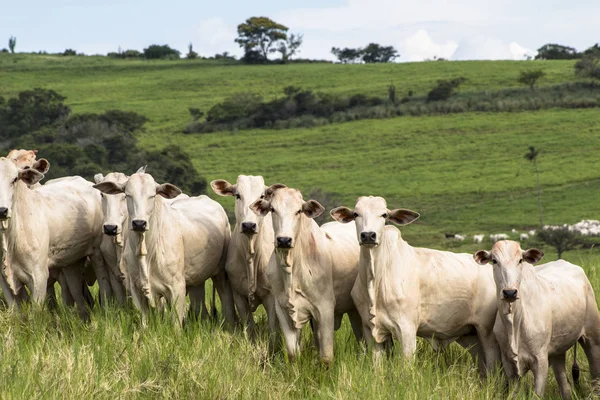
[216, 36]
[420, 46]
[485, 48]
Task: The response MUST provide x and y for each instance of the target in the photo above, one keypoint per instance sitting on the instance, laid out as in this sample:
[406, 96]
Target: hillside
[464, 173]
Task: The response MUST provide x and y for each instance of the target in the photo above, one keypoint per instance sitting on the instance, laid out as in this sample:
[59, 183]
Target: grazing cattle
[523, 237]
[250, 249]
[404, 292]
[478, 238]
[513, 230]
[172, 248]
[498, 236]
[311, 271]
[459, 238]
[542, 312]
[54, 226]
[531, 232]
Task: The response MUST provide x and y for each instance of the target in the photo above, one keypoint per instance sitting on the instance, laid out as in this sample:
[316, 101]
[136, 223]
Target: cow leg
[269, 304]
[75, 283]
[540, 373]
[591, 346]
[65, 293]
[560, 373]
[8, 294]
[140, 301]
[177, 301]
[406, 332]
[117, 287]
[101, 272]
[225, 293]
[356, 323]
[243, 307]
[325, 329]
[490, 349]
[197, 301]
[290, 333]
[50, 292]
[473, 345]
[38, 284]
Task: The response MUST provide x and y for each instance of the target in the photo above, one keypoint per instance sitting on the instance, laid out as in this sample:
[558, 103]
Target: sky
[419, 30]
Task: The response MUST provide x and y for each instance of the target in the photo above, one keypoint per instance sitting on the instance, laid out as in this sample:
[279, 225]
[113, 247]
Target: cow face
[370, 215]
[508, 260]
[246, 191]
[140, 192]
[23, 158]
[10, 178]
[114, 206]
[287, 210]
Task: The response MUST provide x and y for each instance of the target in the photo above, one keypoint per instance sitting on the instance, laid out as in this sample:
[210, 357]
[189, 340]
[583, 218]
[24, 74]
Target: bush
[69, 52]
[234, 107]
[160, 52]
[126, 54]
[530, 78]
[445, 89]
[588, 67]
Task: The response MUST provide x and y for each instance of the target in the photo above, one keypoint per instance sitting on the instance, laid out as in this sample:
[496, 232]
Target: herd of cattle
[153, 243]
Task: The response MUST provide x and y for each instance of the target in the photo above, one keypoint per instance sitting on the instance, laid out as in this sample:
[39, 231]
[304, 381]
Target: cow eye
[299, 212]
[101, 195]
[15, 180]
[237, 196]
[494, 262]
[262, 196]
[355, 215]
[384, 215]
[521, 261]
[272, 210]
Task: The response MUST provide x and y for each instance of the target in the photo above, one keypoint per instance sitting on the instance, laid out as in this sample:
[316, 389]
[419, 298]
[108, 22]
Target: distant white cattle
[404, 292]
[531, 232]
[513, 230]
[498, 236]
[542, 312]
[250, 249]
[54, 226]
[311, 271]
[478, 238]
[172, 247]
[460, 238]
[523, 236]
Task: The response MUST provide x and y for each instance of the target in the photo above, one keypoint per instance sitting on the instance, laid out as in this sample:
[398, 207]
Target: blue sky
[465, 29]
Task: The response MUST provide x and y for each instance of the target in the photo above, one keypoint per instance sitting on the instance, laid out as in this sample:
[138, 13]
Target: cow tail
[575, 369]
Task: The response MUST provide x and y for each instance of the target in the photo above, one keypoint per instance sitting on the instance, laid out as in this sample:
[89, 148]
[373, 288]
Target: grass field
[465, 173]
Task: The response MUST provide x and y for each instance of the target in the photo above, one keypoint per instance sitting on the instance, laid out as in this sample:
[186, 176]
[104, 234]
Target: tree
[552, 51]
[290, 46]
[260, 34]
[160, 52]
[531, 156]
[562, 239]
[69, 52]
[593, 51]
[375, 53]
[588, 66]
[12, 42]
[191, 53]
[530, 78]
[346, 55]
[445, 89]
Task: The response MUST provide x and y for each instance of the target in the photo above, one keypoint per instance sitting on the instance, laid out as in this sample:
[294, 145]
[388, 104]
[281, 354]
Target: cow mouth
[510, 299]
[369, 244]
[249, 232]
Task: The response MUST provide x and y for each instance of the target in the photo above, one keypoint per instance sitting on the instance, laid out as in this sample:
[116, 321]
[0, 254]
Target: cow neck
[13, 230]
[515, 315]
[298, 261]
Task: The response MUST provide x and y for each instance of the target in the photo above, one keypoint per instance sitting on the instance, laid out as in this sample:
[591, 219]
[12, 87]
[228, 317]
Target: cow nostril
[510, 293]
[110, 230]
[138, 225]
[3, 212]
[284, 242]
[248, 227]
[368, 237]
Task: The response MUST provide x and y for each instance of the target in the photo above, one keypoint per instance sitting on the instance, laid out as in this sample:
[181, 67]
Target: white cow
[478, 238]
[542, 312]
[172, 247]
[459, 238]
[250, 249]
[404, 292]
[311, 271]
[523, 237]
[53, 226]
[498, 236]
[23, 158]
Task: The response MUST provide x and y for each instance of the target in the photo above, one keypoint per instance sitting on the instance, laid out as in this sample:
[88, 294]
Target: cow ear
[482, 257]
[533, 256]
[42, 165]
[271, 189]
[110, 187]
[30, 176]
[401, 216]
[98, 178]
[261, 207]
[312, 208]
[168, 190]
[342, 214]
[141, 170]
[34, 152]
[222, 187]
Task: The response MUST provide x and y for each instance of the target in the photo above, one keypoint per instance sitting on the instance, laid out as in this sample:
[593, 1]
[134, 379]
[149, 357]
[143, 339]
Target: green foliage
[191, 54]
[593, 51]
[127, 54]
[588, 66]
[259, 36]
[290, 47]
[347, 55]
[163, 52]
[562, 239]
[445, 89]
[530, 78]
[172, 164]
[376, 53]
[69, 52]
[552, 51]
[12, 42]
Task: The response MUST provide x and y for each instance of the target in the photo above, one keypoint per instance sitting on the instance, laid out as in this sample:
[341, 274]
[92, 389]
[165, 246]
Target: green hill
[465, 173]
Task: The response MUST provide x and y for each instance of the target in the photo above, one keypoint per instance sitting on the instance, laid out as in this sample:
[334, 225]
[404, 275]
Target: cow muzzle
[110, 230]
[284, 242]
[368, 239]
[510, 295]
[249, 228]
[4, 213]
[139, 225]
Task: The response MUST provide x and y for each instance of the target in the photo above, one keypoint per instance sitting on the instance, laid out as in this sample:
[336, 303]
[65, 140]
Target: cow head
[140, 192]
[370, 215]
[508, 260]
[246, 191]
[287, 210]
[23, 158]
[114, 206]
[10, 178]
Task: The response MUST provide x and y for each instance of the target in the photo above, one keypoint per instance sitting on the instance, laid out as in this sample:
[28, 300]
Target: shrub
[160, 52]
[445, 89]
[588, 66]
[234, 107]
[530, 78]
[69, 52]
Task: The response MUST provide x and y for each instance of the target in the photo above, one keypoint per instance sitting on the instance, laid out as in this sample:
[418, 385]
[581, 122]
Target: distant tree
[12, 42]
[69, 52]
[553, 51]
[375, 53]
[588, 66]
[191, 55]
[346, 55]
[530, 78]
[290, 47]
[4, 50]
[532, 156]
[562, 239]
[445, 89]
[262, 35]
[224, 56]
[160, 52]
[593, 51]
